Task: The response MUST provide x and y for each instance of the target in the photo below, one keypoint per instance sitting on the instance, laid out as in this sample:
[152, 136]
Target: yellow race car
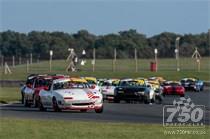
[157, 79]
[90, 80]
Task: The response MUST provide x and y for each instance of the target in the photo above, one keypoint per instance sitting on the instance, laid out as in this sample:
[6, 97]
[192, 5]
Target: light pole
[51, 54]
[156, 51]
[177, 54]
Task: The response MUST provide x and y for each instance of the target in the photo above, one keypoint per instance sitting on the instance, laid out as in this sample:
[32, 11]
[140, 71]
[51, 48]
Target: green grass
[124, 68]
[40, 129]
[9, 94]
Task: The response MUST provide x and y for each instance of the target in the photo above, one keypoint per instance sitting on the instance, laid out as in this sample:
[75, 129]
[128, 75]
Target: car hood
[76, 93]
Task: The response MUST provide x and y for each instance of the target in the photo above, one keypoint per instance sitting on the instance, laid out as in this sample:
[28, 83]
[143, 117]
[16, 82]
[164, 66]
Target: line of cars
[62, 92]
[148, 90]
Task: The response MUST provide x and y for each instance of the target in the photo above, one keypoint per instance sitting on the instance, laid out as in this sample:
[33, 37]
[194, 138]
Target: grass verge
[40, 129]
[8, 94]
[125, 68]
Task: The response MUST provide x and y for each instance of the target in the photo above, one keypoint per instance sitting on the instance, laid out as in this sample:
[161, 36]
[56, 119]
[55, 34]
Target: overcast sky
[106, 16]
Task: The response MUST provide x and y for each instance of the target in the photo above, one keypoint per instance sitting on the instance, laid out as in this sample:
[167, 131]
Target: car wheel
[55, 105]
[83, 110]
[22, 97]
[35, 101]
[158, 99]
[164, 94]
[146, 101]
[152, 100]
[26, 104]
[116, 100]
[202, 88]
[40, 105]
[182, 95]
[100, 110]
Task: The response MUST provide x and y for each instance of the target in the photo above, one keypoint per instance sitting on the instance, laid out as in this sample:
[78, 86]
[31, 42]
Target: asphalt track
[122, 112]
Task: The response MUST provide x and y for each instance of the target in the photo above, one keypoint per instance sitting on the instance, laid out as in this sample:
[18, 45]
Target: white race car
[107, 88]
[66, 94]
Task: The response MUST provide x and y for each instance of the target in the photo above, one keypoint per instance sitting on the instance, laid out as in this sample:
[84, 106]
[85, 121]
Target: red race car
[173, 88]
[31, 93]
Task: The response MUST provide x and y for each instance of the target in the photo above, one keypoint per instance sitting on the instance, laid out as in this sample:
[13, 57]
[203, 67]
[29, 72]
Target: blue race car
[192, 84]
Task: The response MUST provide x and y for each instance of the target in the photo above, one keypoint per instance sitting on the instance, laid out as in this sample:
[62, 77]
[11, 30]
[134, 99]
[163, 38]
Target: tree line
[39, 43]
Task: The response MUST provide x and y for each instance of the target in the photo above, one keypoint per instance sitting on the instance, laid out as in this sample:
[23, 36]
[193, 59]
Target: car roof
[189, 79]
[78, 80]
[61, 80]
[90, 78]
[169, 82]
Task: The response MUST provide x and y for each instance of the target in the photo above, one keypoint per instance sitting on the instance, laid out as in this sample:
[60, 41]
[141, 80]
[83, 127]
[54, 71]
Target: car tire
[100, 110]
[22, 97]
[158, 99]
[26, 104]
[55, 105]
[164, 94]
[35, 101]
[40, 105]
[116, 100]
[83, 110]
[146, 101]
[202, 88]
[182, 95]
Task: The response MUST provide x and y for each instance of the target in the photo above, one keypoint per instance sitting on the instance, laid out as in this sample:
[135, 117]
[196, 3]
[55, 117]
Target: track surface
[122, 112]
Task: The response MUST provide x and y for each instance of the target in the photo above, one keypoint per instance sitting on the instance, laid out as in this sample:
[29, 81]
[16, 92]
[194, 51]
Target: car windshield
[91, 81]
[70, 85]
[43, 82]
[130, 83]
[190, 81]
[172, 84]
[106, 84]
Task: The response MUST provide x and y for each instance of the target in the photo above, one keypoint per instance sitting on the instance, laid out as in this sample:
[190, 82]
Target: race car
[27, 86]
[40, 82]
[157, 79]
[141, 80]
[132, 90]
[173, 88]
[68, 94]
[107, 88]
[156, 85]
[192, 84]
[31, 93]
[93, 82]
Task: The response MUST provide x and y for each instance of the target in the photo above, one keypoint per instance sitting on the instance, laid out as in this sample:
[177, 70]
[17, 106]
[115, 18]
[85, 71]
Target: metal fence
[135, 64]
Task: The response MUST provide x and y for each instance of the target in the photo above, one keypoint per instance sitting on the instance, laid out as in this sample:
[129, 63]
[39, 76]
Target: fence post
[27, 66]
[94, 59]
[20, 60]
[38, 58]
[31, 58]
[136, 59]
[114, 60]
[13, 61]
[2, 61]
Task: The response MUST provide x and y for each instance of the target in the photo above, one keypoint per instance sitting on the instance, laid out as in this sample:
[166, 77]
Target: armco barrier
[11, 83]
[17, 83]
